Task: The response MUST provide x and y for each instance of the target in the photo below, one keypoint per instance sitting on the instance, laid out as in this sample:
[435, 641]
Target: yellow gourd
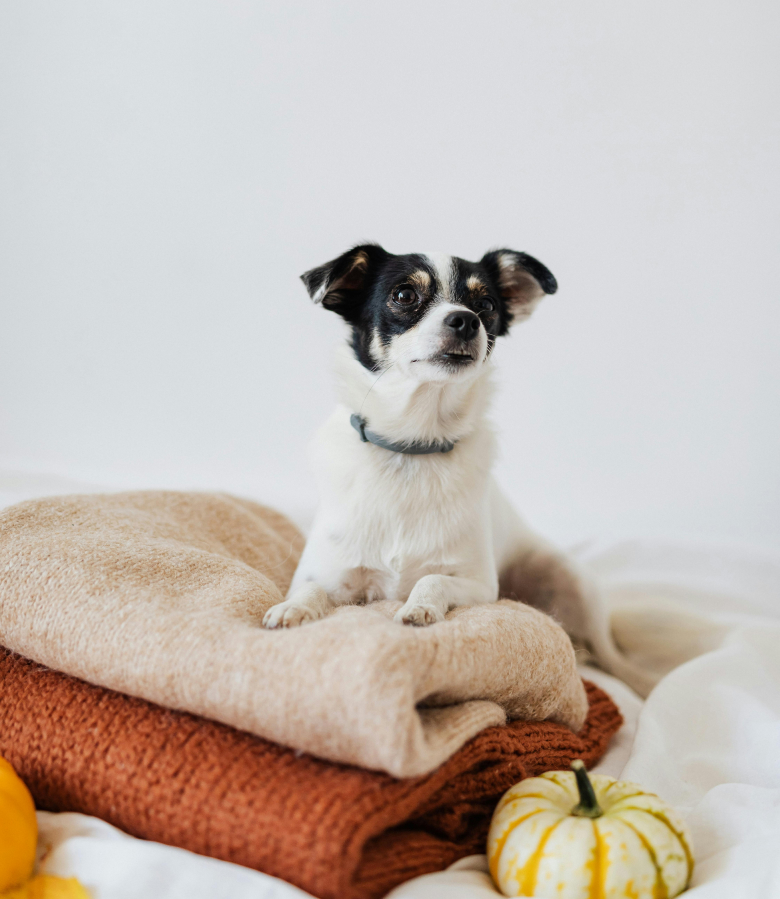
[46, 886]
[563, 836]
[18, 829]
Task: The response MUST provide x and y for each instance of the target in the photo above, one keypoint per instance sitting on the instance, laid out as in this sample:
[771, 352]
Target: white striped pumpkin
[565, 836]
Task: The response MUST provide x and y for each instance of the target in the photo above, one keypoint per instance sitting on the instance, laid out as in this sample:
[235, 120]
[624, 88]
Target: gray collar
[412, 449]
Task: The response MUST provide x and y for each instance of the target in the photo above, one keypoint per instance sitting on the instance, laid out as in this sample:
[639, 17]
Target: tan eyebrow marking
[476, 284]
[421, 279]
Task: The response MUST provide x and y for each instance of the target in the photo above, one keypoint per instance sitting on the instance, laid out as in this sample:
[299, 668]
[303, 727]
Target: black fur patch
[360, 285]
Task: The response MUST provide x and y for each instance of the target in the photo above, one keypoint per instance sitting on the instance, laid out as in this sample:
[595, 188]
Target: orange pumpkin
[18, 829]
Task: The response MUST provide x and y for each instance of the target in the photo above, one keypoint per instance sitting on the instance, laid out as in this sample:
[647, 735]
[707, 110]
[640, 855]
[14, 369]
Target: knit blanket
[159, 595]
[336, 831]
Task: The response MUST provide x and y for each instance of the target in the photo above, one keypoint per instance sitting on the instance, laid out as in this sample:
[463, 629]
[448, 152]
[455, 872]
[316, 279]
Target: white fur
[429, 530]
[444, 266]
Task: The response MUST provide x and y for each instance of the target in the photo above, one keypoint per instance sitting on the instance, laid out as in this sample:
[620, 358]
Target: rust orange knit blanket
[334, 830]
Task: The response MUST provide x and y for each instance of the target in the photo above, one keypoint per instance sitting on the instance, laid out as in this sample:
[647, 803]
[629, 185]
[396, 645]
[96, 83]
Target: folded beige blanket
[160, 595]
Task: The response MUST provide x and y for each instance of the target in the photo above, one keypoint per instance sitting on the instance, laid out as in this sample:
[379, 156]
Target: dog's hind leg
[533, 571]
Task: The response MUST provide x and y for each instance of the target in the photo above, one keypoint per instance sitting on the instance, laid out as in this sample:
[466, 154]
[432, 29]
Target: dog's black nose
[465, 324]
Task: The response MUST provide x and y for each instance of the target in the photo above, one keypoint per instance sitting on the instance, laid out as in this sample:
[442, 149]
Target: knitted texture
[337, 831]
[160, 595]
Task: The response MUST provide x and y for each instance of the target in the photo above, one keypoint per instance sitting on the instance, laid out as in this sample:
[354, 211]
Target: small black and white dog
[409, 510]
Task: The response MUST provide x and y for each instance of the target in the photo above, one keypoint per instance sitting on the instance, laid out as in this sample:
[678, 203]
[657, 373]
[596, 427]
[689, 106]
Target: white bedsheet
[707, 739]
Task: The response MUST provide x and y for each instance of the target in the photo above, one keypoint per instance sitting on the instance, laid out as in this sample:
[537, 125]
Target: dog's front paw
[288, 614]
[419, 615]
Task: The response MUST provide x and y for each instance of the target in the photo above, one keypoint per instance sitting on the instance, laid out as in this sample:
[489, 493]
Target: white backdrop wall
[168, 169]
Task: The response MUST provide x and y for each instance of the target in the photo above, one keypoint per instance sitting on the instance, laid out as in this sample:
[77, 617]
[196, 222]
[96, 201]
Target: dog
[409, 510]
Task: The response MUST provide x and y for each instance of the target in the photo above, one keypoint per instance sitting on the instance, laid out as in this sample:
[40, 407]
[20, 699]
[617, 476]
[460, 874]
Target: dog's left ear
[522, 280]
[339, 285]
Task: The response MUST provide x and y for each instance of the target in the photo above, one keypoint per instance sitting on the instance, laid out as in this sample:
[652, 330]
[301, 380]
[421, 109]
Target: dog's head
[435, 317]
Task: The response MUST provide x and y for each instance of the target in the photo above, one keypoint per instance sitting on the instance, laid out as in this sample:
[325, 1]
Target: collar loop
[416, 448]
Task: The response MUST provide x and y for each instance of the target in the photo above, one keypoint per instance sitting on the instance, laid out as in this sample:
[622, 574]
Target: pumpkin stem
[587, 807]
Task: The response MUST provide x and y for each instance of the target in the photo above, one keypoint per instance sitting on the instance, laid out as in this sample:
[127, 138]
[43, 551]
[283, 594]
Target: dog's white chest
[399, 516]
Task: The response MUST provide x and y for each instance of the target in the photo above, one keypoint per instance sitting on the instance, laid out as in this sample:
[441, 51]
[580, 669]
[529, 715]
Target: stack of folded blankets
[344, 756]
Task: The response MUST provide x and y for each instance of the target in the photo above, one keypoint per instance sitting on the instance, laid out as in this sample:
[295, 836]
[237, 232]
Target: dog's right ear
[339, 284]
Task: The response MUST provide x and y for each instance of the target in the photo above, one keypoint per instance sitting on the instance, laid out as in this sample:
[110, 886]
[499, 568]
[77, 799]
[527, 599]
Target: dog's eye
[405, 296]
[486, 305]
